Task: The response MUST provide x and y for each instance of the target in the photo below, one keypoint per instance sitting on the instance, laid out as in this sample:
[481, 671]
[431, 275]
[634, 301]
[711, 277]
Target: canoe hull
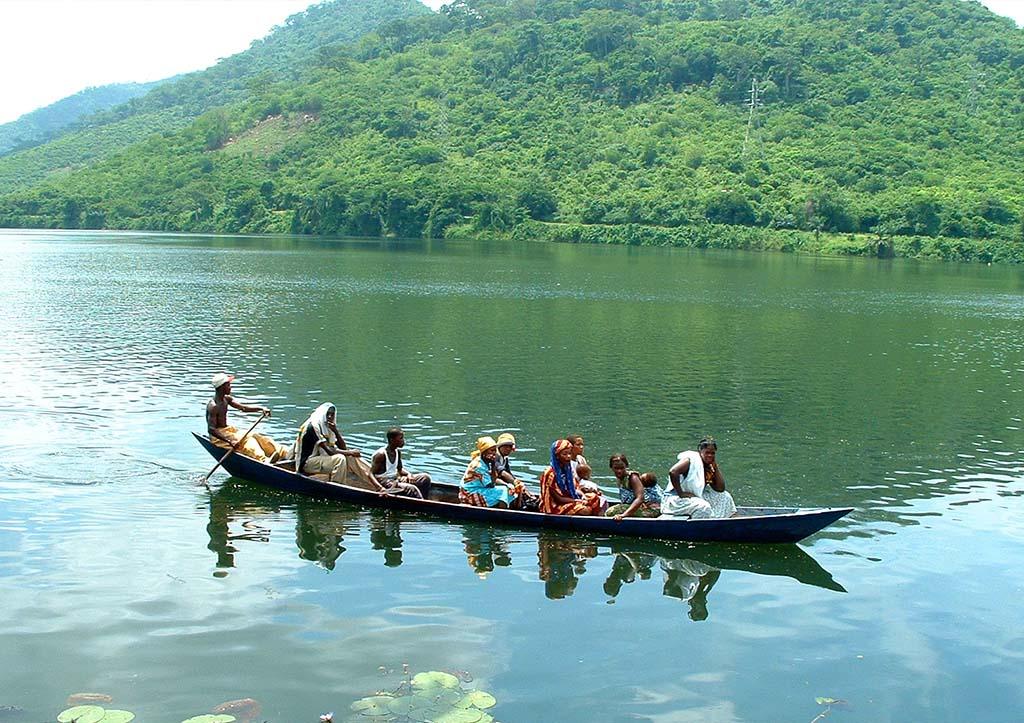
[758, 525]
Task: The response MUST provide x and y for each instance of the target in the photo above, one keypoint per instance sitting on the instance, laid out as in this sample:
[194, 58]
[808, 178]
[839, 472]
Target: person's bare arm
[377, 465]
[679, 470]
[247, 407]
[717, 481]
[341, 447]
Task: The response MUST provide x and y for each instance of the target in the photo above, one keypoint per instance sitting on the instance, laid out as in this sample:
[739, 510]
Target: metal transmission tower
[752, 140]
[975, 90]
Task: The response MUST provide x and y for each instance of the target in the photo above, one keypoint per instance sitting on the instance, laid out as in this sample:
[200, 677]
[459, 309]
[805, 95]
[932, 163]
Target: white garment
[706, 503]
[390, 468]
[324, 436]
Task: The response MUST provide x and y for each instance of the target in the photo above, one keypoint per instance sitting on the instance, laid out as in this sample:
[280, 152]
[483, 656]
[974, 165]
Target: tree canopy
[882, 126]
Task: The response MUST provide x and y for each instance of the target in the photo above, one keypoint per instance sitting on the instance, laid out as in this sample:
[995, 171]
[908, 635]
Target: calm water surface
[895, 388]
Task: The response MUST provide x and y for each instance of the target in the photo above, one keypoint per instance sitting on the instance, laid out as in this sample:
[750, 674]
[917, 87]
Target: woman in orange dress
[559, 492]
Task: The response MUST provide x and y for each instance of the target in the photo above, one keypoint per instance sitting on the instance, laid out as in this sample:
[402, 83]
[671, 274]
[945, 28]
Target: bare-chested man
[258, 446]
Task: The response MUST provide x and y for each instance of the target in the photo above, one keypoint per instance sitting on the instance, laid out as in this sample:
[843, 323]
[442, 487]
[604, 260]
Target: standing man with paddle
[258, 446]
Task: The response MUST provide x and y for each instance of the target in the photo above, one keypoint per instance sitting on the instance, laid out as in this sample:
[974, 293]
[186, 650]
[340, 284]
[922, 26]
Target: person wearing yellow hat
[506, 446]
[481, 486]
[258, 446]
[523, 499]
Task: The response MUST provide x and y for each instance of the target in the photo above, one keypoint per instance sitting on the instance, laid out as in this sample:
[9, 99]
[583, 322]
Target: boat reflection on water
[242, 511]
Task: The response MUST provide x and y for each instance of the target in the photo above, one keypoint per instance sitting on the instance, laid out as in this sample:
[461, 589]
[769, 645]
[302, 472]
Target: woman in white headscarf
[696, 486]
[320, 449]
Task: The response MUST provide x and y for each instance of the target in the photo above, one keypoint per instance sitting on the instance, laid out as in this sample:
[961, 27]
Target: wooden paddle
[230, 451]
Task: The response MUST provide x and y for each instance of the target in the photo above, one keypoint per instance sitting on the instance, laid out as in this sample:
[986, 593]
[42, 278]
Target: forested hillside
[881, 126]
[284, 55]
[42, 124]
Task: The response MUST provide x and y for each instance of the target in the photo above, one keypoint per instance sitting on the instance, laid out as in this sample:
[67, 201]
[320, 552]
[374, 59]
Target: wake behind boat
[750, 524]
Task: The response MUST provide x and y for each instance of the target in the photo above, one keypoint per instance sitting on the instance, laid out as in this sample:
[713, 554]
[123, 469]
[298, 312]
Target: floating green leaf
[117, 716]
[825, 701]
[375, 705]
[434, 679]
[82, 714]
[441, 697]
[477, 699]
[411, 706]
[459, 715]
[211, 719]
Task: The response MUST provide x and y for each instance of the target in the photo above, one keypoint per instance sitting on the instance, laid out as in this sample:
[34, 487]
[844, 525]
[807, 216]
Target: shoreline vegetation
[814, 243]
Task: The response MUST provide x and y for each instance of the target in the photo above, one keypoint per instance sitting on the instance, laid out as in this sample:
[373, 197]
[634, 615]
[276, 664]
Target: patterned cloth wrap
[559, 476]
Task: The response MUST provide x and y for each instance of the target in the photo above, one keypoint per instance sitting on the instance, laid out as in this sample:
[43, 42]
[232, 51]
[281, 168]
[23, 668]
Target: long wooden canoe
[750, 524]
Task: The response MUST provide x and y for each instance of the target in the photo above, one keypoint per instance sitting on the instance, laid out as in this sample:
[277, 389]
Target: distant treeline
[881, 127]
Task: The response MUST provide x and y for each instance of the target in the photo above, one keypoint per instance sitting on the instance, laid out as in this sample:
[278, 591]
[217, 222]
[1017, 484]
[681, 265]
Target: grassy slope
[284, 55]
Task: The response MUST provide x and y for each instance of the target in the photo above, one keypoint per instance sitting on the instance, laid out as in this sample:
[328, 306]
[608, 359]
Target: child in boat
[639, 495]
[583, 474]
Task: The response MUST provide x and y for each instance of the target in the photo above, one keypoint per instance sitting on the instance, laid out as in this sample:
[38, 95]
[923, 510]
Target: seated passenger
[257, 446]
[578, 459]
[502, 465]
[639, 495]
[697, 486]
[320, 449]
[386, 465]
[559, 492]
[481, 485]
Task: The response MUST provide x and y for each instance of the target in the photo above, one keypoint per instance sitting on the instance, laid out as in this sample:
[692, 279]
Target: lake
[896, 388]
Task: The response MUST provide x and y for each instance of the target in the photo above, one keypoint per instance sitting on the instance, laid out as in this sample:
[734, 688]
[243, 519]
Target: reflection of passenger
[319, 534]
[485, 548]
[690, 581]
[626, 568]
[697, 487]
[562, 560]
[386, 535]
[222, 514]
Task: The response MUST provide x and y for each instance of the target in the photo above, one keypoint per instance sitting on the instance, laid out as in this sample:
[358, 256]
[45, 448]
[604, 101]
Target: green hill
[284, 55]
[882, 127]
[42, 124]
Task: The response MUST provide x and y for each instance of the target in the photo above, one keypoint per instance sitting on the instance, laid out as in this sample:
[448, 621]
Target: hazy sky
[50, 49]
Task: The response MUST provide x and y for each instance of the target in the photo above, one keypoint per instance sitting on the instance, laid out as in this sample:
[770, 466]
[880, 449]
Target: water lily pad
[434, 679]
[486, 718]
[211, 719]
[477, 699]
[441, 697]
[415, 707]
[82, 714]
[459, 715]
[117, 716]
[375, 705]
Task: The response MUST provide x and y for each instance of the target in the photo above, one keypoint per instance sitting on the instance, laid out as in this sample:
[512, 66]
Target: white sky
[50, 49]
